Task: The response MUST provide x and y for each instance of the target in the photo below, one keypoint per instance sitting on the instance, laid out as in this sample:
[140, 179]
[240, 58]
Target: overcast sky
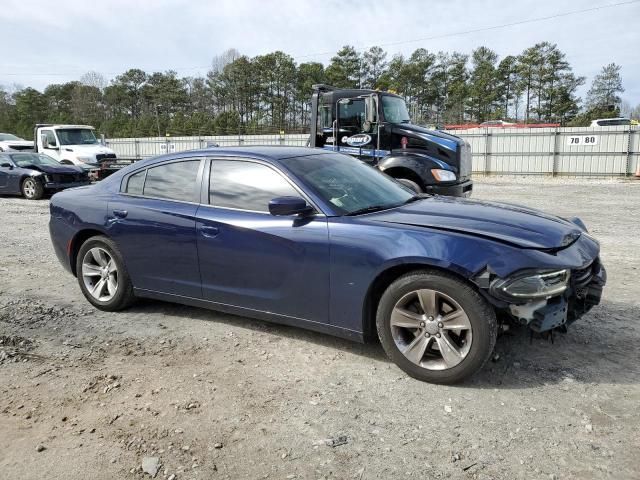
[46, 41]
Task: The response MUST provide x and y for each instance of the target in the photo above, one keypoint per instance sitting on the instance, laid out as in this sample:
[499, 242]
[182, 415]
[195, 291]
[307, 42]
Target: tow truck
[77, 145]
[375, 127]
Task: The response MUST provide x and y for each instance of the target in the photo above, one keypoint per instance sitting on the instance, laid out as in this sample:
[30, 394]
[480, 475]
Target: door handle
[120, 213]
[208, 231]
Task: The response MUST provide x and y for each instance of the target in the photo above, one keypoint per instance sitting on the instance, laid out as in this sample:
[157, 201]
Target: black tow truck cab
[375, 127]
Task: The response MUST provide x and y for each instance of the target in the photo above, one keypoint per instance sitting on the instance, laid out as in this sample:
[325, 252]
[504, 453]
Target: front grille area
[465, 160]
[67, 177]
[582, 277]
[105, 156]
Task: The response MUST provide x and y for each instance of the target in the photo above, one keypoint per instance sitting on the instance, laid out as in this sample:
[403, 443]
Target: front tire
[32, 189]
[411, 184]
[435, 327]
[102, 275]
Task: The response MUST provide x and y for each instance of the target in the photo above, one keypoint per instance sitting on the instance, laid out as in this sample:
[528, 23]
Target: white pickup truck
[72, 144]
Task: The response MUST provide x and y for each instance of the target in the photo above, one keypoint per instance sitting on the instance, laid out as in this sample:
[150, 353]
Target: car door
[6, 168]
[53, 149]
[153, 221]
[253, 260]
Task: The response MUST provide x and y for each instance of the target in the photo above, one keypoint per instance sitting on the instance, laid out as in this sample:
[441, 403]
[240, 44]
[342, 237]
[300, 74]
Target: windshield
[9, 137]
[394, 110]
[347, 183]
[76, 136]
[26, 159]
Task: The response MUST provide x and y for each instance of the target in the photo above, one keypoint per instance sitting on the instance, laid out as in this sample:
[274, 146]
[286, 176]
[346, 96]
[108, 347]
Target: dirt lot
[86, 394]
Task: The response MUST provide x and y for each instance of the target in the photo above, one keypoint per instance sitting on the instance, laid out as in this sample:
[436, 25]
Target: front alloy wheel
[436, 327]
[431, 329]
[32, 189]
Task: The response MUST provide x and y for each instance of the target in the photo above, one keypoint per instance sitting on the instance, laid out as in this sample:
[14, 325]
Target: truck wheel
[32, 189]
[411, 184]
[435, 327]
[66, 162]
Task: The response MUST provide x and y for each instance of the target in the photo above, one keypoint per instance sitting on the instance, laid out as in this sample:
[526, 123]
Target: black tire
[480, 314]
[124, 295]
[32, 188]
[411, 184]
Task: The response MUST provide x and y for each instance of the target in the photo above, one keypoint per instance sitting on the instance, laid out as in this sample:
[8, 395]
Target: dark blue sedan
[34, 174]
[325, 242]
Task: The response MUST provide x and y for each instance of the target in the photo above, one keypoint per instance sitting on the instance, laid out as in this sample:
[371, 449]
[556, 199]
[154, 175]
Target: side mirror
[289, 206]
[6, 165]
[371, 115]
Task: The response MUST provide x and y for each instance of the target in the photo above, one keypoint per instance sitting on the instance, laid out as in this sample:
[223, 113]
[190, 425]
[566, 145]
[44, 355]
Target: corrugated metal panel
[614, 151]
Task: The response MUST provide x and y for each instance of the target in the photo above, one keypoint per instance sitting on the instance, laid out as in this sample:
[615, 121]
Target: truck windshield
[76, 136]
[394, 110]
[349, 185]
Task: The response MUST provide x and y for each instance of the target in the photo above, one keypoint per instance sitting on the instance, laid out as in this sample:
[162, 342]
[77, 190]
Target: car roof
[270, 153]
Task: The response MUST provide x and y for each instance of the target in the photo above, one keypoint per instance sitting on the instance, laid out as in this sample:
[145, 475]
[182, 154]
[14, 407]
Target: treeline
[271, 92]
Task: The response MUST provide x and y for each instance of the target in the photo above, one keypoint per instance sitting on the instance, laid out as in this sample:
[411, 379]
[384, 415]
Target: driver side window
[51, 138]
[352, 114]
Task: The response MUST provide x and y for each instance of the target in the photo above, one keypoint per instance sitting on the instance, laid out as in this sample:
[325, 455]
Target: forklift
[375, 127]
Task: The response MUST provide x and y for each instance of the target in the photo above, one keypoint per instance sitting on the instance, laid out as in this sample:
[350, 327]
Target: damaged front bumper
[583, 292]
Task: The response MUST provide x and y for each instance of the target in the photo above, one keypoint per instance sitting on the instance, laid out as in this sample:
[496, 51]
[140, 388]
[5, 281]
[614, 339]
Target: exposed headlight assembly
[86, 159]
[443, 175]
[533, 285]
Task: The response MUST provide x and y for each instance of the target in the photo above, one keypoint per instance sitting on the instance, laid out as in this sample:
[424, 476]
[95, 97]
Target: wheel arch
[404, 172]
[77, 241]
[385, 278]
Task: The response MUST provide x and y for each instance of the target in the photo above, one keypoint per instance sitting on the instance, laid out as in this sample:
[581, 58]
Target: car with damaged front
[323, 241]
[33, 175]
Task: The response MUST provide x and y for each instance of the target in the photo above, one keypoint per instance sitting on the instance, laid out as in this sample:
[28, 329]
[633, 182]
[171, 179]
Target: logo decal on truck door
[358, 140]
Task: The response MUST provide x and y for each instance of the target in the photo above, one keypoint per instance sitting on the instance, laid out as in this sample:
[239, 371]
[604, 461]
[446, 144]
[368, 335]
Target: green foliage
[606, 88]
[269, 93]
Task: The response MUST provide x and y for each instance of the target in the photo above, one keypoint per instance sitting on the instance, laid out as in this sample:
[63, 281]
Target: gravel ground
[197, 394]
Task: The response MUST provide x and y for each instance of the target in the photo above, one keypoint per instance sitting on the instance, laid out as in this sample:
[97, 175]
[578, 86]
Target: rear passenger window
[246, 185]
[136, 183]
[175, 181]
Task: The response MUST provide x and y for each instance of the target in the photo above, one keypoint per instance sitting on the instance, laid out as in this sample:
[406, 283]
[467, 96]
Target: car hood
[87, 149]
[55, 168]
[513, 224]
[17, 144]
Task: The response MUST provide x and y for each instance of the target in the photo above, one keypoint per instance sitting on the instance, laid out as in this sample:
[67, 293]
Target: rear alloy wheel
[435, 327]
[102, 276]
[32, 189]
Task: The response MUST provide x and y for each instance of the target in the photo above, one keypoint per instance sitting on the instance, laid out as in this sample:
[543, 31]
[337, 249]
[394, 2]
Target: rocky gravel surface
[172, 392]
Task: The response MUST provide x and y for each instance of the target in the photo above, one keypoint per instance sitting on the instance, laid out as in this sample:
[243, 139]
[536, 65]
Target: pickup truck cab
[72, 145]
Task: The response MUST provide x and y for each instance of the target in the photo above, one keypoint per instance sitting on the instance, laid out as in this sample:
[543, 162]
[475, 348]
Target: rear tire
[32, 189]
[102, 275]
[411, 184]
[425, 313]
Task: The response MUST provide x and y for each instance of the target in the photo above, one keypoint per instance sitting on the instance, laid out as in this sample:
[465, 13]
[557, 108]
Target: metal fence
[580, 151]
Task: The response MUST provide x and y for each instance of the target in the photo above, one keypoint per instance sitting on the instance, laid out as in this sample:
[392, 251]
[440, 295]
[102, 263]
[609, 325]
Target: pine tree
[345, 70]
[606, 88]
[374, 64]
